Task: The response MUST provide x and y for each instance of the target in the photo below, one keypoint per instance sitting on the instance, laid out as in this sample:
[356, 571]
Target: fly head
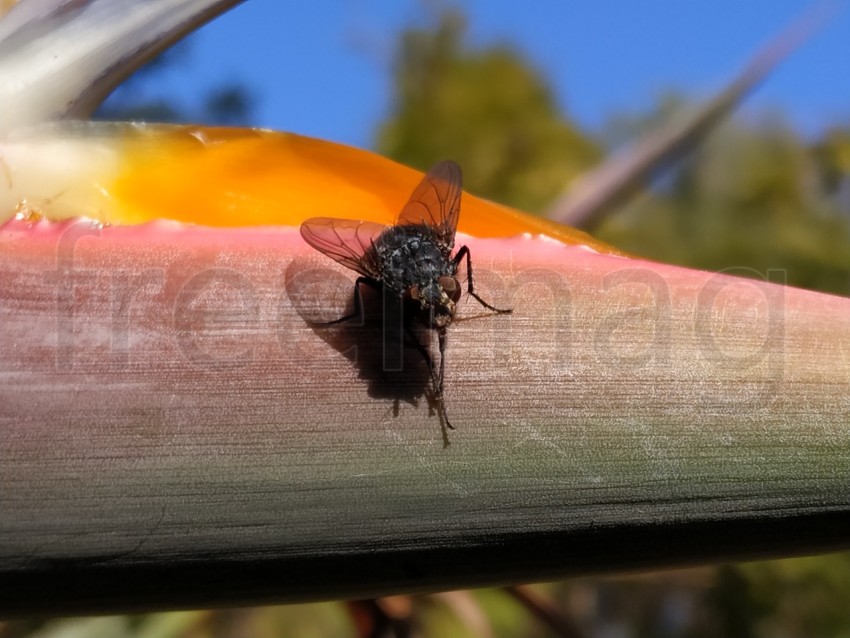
[437, 300]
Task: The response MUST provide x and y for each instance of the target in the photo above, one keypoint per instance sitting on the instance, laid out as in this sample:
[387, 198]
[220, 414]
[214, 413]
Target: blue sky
[323, 68]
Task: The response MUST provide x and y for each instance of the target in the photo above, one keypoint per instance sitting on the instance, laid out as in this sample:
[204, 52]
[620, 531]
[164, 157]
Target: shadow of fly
[410, 260]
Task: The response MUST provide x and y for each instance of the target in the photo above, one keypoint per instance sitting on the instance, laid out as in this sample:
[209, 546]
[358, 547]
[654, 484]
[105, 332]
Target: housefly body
[411, 259]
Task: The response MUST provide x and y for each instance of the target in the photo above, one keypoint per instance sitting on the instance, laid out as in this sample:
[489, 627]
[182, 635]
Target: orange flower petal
[224, 177]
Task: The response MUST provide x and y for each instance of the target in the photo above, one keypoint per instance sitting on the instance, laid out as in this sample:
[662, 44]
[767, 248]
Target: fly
[411, 259]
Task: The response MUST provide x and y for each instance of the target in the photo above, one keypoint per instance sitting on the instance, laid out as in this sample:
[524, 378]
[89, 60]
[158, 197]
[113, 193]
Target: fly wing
[347, 241]
[436, 201]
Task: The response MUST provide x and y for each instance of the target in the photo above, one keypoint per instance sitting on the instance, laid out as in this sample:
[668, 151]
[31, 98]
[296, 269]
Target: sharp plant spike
[594, 193]
[62, 58]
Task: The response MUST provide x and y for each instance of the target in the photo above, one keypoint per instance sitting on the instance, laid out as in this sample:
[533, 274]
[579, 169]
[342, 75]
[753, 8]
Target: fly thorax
[410, 257]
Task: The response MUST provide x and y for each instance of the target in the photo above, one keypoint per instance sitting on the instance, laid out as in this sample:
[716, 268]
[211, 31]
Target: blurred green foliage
[489, 110]
[754, 200]
[780, 598]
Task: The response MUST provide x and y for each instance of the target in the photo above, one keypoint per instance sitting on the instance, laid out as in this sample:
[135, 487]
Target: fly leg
[440, 397]
[436, 381]
[464, 252]
[358, 302]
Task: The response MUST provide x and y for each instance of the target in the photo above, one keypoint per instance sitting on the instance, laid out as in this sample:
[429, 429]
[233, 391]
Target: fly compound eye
[451, 286]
